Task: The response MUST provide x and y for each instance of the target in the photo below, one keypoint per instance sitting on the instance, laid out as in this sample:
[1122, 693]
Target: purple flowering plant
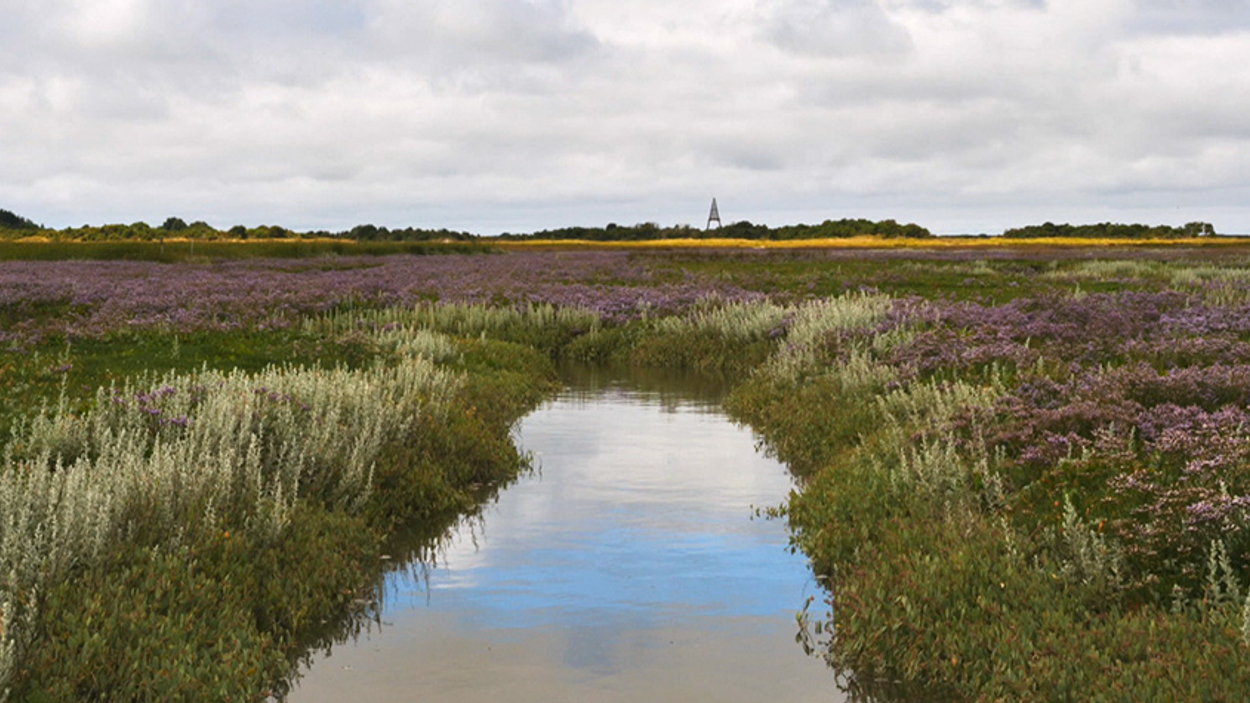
[1134, 405]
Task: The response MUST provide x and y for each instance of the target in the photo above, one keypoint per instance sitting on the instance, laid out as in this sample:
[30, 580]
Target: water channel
[628, 566]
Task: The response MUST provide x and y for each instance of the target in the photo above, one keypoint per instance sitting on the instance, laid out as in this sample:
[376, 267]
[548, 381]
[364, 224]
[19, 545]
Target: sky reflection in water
[628, 567]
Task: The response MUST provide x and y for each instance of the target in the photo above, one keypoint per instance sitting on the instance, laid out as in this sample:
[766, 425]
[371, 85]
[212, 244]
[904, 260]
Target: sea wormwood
[739, 321]
[1092, 559]
[251, 446]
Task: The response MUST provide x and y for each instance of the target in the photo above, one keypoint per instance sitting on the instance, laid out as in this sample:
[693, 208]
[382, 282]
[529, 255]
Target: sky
[965, 116]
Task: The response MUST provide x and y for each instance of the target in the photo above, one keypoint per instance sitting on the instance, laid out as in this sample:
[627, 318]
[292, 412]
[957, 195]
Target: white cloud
[832, 28]
[522, 114]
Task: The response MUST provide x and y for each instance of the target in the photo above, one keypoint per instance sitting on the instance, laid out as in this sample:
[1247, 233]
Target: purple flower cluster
[1165, 328]
[152, 404]
[1137, 405]
[279, 398]
[95, 298]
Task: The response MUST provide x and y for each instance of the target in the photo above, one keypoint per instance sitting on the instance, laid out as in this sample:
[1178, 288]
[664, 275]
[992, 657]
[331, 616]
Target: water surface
[627, 567]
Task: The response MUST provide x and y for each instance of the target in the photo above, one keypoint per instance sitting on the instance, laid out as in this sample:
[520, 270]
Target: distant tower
[713, 216]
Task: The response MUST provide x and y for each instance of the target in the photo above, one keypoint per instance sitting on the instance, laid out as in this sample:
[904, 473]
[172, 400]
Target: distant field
[182, 250]
[185, 250]
[878, 243]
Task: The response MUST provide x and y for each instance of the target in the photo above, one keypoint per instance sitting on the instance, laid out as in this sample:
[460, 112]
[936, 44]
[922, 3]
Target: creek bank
[629, 565]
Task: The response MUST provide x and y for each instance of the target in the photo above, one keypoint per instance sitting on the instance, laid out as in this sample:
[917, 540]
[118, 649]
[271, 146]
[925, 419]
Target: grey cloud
[944, 5]
[1190, 17]
[330, 112]
[450, 33]
[275, 19]
[832, 28]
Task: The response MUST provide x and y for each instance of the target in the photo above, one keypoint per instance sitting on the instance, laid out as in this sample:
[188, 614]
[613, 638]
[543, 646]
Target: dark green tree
[9, 220]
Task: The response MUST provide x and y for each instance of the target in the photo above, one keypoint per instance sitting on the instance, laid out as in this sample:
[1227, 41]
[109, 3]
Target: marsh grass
[79, 368]
[964, 430]
[541, 326]
[194, 455]
[179, 251]
[940, 575]
[173, 490]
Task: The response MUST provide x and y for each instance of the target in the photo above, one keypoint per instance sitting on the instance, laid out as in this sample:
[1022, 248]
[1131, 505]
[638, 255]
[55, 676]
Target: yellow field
[874, 243]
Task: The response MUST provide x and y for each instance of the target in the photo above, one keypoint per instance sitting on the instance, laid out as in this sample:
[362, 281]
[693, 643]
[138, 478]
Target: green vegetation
[1108, 230]
[991, 540]
[1022, 478]
[829, 229]
[197, 250]
[152, 525]
[11, 221]
[14, 227]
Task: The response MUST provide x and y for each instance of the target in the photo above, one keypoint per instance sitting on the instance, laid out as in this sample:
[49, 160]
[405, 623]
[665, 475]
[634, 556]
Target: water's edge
[628, 567]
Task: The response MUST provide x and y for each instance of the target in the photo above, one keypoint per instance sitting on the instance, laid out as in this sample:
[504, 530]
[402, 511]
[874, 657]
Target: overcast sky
[516, 115]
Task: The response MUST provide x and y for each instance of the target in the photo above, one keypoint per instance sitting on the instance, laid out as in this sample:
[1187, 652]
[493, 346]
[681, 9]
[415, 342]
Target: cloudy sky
[516, 115]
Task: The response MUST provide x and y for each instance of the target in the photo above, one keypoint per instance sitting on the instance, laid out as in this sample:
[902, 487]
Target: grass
[869, 242]
[965, 425]
[960, 563]
[182, 250]
[200, 489]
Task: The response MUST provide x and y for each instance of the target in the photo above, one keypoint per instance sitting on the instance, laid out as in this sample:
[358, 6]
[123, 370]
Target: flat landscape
[1022, 469]
[366, 349]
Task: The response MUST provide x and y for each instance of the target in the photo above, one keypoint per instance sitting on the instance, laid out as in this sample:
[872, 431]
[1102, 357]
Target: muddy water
[628, 567]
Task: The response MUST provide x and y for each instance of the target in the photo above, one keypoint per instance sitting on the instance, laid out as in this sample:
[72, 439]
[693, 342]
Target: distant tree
[737, 230]
[1111, 230]
[647, 230]
[365, 232]
[9, 220]
[744, 229]
[174, 224]
[201, 230]
[237, 232]
[138, 230]
[271, 232]
[1199, 229]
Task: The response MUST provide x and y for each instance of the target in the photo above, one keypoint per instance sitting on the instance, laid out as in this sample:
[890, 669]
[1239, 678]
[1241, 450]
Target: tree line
[9, 220]
[13, 226]
[829, 229]
[1111, 230]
